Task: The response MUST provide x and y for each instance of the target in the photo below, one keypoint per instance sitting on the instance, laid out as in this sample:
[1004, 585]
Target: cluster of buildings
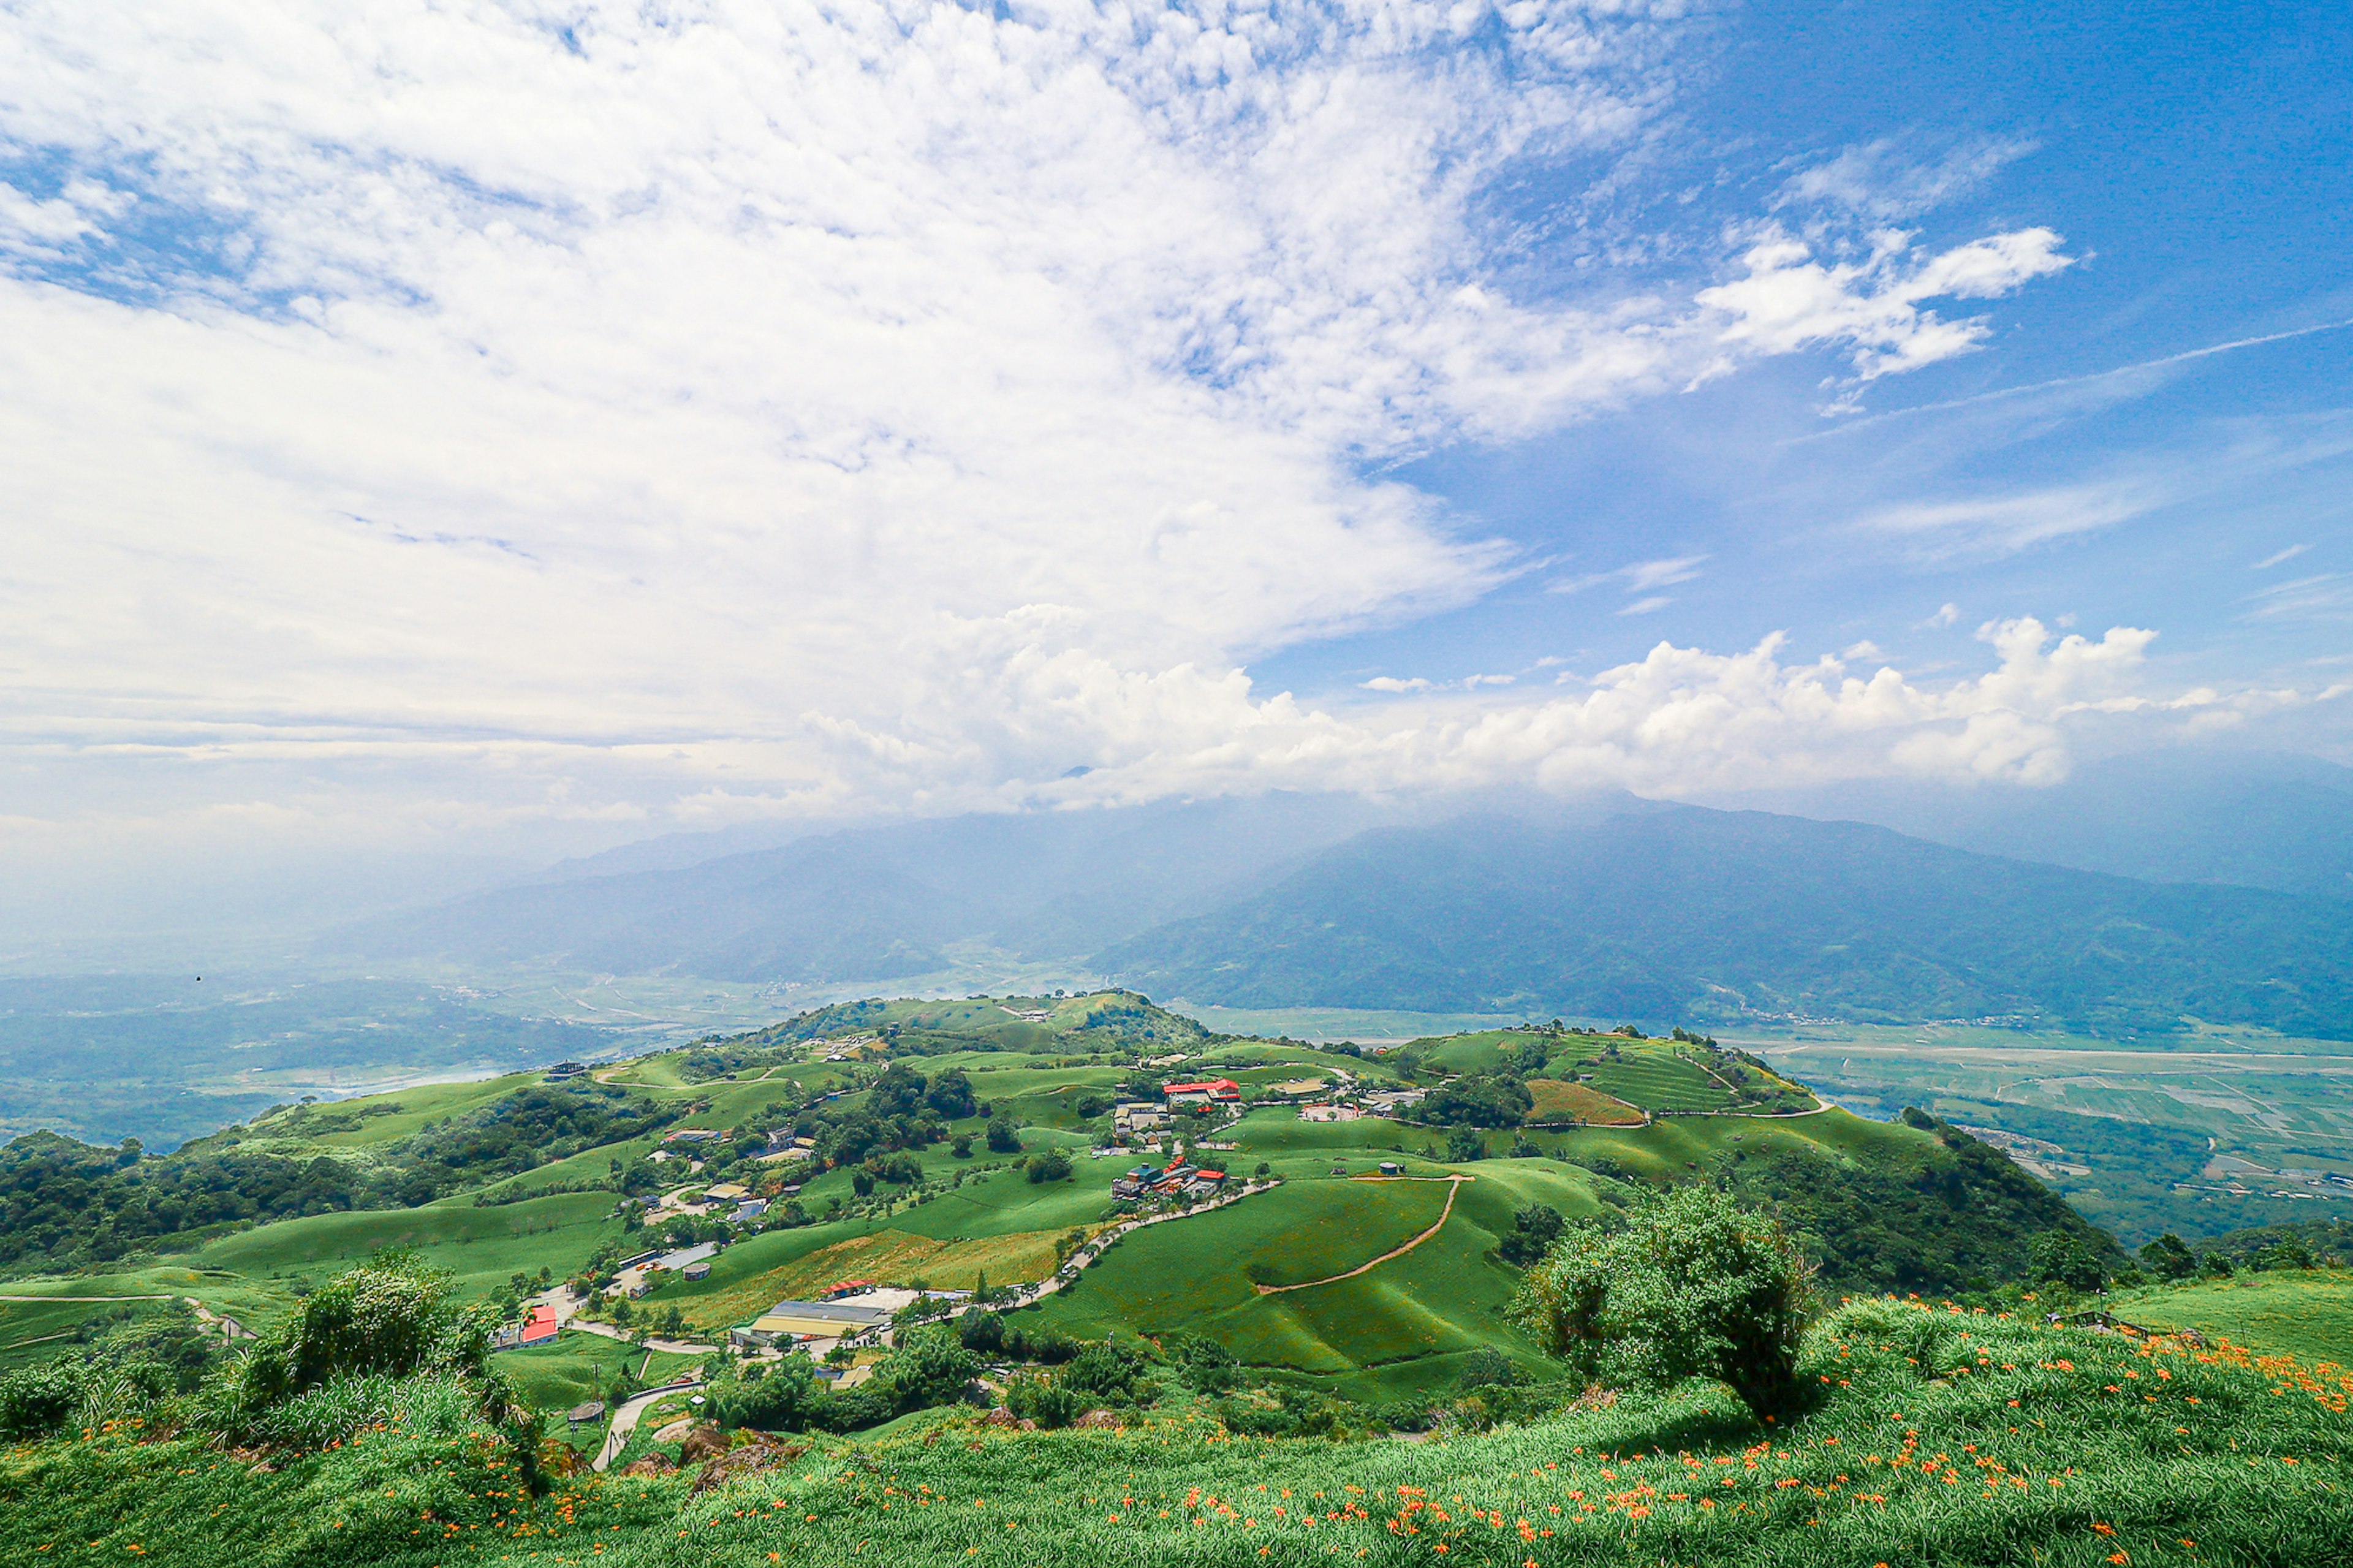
[1177, 1180]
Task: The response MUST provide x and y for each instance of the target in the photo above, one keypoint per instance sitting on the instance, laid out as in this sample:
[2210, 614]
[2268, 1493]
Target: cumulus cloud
[722, 407]
[1790, 300]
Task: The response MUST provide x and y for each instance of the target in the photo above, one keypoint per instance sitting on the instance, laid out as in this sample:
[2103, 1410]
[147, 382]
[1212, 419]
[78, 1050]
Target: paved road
[625, 1418]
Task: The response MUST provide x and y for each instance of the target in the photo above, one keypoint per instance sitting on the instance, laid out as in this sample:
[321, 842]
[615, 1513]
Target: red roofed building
[1217, 1090]
[540, 1327]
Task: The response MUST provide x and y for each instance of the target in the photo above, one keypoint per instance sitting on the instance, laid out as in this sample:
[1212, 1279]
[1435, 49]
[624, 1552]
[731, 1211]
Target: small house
[699, 1271]
[581, 1414]
[1204, 1091]
[540, 1327]
[1391, 1168]
[563, 1072]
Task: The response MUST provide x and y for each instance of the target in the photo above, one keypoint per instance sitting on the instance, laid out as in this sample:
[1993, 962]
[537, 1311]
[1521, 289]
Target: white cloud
[1790, 301]
[2276, 557]
[1947, 614]
[1391, 683]
[659, 410]
[1885, 179]
[1646, 605]
[2003, 524]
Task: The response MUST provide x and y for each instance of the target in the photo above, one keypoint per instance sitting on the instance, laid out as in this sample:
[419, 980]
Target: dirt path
[1453, 1186]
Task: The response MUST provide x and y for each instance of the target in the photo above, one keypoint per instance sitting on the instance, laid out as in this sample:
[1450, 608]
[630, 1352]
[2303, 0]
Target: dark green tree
[1691, 1286]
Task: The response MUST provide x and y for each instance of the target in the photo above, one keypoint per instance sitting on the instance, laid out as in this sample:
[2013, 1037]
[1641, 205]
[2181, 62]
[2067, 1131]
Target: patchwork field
[1558, 1100]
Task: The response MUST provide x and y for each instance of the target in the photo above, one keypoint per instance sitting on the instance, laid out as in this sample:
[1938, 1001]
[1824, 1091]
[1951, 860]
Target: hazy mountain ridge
[1694, 912]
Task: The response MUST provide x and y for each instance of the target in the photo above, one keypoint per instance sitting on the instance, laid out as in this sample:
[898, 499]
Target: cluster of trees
[930, 1366]
[1943, 1219]
[1479, 1100]
[65, 1203]
[904, 1109]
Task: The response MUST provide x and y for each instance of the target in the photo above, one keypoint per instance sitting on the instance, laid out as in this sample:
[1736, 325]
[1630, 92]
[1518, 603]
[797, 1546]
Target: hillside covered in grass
[1936, 1437]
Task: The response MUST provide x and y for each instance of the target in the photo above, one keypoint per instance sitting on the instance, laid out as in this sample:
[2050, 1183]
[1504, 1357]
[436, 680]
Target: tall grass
[1936, 1437]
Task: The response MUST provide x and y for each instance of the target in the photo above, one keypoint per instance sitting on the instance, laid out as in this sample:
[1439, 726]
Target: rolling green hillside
[1684, 913]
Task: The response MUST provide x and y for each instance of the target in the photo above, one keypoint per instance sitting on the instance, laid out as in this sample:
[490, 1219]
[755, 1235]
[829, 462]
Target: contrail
[2079, 380]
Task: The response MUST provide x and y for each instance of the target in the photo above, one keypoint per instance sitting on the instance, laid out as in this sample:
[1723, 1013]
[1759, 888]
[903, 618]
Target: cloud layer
[689, 409]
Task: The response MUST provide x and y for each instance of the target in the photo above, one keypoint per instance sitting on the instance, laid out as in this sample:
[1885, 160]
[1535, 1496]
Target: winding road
[625, 1418]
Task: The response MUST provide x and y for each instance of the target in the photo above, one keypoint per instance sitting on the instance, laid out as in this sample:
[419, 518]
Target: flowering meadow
[1936, 1436]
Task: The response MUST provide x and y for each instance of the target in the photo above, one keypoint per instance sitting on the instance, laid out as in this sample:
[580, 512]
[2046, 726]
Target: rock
[702, 1441]
[748, 1458]
[1000, 1417]
[651, 1465]
[1097, 1418]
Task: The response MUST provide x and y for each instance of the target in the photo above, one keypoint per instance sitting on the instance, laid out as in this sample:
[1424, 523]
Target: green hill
[1938, 1438]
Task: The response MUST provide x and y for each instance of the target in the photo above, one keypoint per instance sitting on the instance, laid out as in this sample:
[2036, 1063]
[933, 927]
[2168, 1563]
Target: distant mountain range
[1606, 907]
[882, 903]
[1685, 913]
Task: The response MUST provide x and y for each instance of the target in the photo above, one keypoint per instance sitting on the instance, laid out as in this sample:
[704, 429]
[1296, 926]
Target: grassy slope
[2016, 1444]
[579, 1367]
[2309, 1315]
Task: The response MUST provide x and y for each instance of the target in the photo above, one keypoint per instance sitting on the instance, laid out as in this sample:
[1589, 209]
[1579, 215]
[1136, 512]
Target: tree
[2169, 1258]
[1693, 1285]
[982, 1331]
[1487, 1367]
[900, 1091]
[1053, 1166]
[931, 1366]
[1491, 1100]
[950, 1094]
[961, 1147]
[1465, 1143]
[2057, 1257]
[1001, 1139]
[1534, 1228]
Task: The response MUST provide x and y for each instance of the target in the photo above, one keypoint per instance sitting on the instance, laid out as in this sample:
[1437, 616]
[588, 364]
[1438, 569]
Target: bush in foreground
[1690, 1285]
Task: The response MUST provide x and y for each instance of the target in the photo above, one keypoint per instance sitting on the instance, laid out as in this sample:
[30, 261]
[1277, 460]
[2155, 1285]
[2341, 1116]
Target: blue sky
[528, 426]
[2195, 156]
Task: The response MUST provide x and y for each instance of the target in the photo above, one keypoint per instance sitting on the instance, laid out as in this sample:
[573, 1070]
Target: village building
[1206, 1091]
[816, 1319]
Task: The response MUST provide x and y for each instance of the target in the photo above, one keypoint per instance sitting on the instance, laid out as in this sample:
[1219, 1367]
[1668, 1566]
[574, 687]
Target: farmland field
[1558, 1100]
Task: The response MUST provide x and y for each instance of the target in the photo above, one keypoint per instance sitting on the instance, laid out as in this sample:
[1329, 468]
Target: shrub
[2169, 1258]
[1040, 1398]
[1207, 1366]
[1691, 1286]
[982, 1331]
[1534, 1230]
[2058, 1258]
[1053, 1166]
